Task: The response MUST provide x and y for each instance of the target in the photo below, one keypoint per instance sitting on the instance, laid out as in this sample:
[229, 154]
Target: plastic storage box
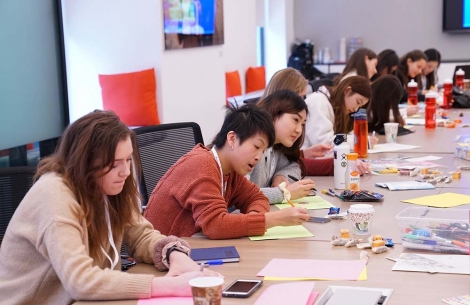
[437, 230]
[463, 152]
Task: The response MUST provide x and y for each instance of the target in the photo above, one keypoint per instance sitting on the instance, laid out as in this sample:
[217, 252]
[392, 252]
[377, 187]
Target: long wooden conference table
[409, 287]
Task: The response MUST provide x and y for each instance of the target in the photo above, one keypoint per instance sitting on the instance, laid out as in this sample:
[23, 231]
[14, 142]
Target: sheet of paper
[309, 202]
[362, 277]
[455, 264]
[406, 185]
[446, 200]
[348, 270]
[284, 232]
[386, 147]
[298, 293]
[421, 121]
[420, 159]
[167, 301]
[460, 300]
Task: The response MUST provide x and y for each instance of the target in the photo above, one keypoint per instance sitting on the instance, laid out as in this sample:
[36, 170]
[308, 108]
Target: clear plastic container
[436, 230]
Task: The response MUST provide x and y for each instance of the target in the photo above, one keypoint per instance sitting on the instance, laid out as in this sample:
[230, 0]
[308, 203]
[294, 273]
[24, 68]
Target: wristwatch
[171, 249]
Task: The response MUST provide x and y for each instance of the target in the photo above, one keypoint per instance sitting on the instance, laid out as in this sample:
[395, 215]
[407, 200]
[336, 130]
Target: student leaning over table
[363, 62]
[57, 248]
[289, 113]
[196, 191]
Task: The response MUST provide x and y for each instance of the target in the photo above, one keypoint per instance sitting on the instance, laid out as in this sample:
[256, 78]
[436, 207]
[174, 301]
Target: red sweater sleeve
[319, 167]
[247, 196]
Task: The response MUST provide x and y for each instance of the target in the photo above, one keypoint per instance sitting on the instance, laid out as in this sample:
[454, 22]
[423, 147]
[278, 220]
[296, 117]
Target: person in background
[197, 190]
[63, 242]
[428, 79]
[363, 62]
[387, 63]
[331, 108]
[411, 67]
[289, 113]
[293, 80]
[383, 106]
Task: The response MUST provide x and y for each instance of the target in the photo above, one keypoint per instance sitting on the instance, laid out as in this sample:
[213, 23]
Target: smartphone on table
[241, 288]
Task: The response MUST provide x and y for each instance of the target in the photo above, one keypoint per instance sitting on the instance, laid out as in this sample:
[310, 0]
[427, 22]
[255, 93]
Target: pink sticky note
[316, 269]
[167, 301]
[287, 293]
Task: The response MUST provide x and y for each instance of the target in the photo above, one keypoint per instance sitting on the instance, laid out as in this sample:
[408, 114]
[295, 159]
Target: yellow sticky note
[416, 116]
[284, 232]
[309, 203]
[445, 200]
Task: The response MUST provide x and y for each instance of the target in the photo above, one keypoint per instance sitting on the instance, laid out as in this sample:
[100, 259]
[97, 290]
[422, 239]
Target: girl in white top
[330, 109]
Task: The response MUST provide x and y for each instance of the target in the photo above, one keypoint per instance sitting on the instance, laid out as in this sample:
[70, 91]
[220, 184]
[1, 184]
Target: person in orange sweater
[197, 190]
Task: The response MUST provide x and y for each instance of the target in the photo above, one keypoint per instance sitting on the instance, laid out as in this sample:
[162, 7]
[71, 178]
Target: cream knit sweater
[44, 257]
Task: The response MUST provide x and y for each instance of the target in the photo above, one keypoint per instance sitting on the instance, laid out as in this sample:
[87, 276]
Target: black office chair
[15, 182]
[160, 147]
[316, 84]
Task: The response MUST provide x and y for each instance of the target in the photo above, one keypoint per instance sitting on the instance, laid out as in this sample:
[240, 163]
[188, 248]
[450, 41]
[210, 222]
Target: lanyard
[110, 237]
[223, 185]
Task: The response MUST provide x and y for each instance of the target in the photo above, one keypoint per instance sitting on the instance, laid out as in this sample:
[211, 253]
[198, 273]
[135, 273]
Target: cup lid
[206, 281]
[412, 83]
[361, 208]
[351, 156]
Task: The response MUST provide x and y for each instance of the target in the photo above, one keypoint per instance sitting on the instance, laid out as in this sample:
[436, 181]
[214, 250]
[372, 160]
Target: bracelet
[171, 249]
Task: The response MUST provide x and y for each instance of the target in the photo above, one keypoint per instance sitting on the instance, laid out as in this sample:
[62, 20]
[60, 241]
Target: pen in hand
[296, 180]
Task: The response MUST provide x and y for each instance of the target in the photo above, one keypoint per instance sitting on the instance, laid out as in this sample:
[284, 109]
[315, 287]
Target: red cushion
[255, 79]
[233, 85]
[132, 96]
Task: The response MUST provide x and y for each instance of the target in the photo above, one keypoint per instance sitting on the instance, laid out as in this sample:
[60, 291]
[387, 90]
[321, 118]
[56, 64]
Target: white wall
[402, 25]
[119, 36]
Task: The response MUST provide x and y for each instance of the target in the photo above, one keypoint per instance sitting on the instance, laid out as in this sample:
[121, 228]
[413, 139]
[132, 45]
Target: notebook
[225, 254]
[354, 297]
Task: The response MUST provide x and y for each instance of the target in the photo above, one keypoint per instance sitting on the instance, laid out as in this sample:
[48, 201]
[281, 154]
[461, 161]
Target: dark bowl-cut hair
[386, 95]
[387, 59]
[286, 101]
[246, 122]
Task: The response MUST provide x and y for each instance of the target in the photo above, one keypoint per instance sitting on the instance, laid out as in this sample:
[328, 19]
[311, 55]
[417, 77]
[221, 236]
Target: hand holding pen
[300, 188]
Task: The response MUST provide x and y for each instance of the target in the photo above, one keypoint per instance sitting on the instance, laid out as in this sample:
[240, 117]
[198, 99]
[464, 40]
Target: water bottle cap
[448, 81]
[430, 94]
[460, 72]
[351, 156]
[412, 83]
[340, 138]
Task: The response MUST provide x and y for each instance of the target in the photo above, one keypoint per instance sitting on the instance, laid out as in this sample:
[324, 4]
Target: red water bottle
[412, 92]
[430, 111]
[459, 77]
[447, 93]
[361, 134]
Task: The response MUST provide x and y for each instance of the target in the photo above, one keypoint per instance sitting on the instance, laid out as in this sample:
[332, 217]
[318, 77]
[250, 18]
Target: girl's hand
[176, 286]
[300, 188]
[412, 110]
[286, 217]
[180, 264]
[363, 167]
[373, 141]
[317, 150]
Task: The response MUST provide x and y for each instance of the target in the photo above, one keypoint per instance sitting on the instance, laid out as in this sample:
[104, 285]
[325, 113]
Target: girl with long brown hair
[289, 113]
[63, 241]
[363, 62]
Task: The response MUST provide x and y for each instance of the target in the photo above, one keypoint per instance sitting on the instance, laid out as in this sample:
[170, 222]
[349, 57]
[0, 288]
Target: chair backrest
[160, 147]
[15, 182]
[316, 84]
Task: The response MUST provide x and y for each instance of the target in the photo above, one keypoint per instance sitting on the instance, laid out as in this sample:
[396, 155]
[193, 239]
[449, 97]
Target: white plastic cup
[391, 131]
[361, 218]
[207, 290]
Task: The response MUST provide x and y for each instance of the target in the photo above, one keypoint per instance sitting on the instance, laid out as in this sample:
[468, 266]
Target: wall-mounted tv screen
[456, 17]
[192, 23]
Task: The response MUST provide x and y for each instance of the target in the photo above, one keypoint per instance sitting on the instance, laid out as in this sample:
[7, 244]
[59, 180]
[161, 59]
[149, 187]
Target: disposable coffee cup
[361, 218]
[207, 290]
[391, 131]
